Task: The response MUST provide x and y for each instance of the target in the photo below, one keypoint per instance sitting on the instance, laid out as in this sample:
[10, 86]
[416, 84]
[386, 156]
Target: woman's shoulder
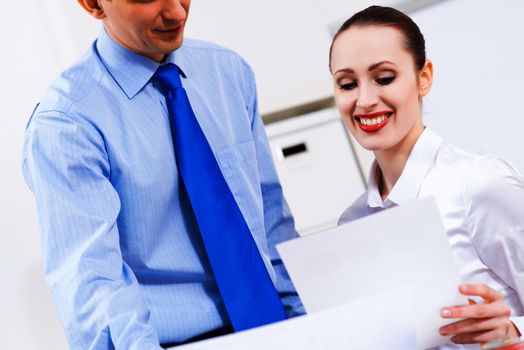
[491, 176]
[454, 156]
[482, 176]
[477, 170]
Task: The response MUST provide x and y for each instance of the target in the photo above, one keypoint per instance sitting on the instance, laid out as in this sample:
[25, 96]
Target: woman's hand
[482, 322]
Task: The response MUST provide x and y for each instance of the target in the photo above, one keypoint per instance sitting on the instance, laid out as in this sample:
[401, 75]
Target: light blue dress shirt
[123, 255]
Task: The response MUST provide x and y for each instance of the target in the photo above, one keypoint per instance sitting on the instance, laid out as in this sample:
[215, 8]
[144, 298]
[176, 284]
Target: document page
[383, 321]
[405, 245]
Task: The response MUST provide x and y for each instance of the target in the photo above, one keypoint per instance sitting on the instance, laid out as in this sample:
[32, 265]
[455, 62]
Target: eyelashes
[380, 81]
[348, 86]
[385, 80]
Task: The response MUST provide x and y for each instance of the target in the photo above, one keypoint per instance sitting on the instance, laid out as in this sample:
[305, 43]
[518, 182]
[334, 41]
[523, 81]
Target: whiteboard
[477, 50]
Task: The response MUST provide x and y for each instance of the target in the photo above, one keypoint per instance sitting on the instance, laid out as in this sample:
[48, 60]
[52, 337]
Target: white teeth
[373, 121]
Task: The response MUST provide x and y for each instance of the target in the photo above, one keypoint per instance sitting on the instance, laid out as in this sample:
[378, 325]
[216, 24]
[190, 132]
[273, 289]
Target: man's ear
[93, 7]
[426, 78]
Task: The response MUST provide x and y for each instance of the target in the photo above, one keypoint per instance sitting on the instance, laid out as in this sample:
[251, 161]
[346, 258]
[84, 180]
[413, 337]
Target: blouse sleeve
[494, 202]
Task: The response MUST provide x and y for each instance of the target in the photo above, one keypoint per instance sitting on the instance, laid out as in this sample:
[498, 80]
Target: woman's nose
[367, 97]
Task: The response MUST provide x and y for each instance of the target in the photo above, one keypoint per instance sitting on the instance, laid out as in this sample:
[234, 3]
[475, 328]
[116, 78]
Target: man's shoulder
[195, 44]
[207, 51]
[74, 83]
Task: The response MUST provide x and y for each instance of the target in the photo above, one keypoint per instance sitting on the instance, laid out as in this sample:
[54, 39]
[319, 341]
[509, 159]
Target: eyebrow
[370, 68]
[378, 64]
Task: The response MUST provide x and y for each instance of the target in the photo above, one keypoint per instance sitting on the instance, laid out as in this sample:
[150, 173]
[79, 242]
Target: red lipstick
[372, 122]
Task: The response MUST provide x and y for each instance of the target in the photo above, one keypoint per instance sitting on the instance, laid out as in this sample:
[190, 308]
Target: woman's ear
[93, 7]
[426, 78]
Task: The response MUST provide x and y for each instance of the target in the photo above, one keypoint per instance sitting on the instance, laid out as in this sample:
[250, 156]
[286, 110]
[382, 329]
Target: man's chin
[170, 46]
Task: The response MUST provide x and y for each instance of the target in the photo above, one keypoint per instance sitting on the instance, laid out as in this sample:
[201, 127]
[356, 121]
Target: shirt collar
[130, 70]
[417, 166]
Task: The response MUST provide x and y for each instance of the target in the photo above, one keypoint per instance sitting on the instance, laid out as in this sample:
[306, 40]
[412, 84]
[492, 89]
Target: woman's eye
[348, 86]
[385, 80]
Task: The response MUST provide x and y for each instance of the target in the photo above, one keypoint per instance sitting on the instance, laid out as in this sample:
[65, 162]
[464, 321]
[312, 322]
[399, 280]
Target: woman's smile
[372, 122]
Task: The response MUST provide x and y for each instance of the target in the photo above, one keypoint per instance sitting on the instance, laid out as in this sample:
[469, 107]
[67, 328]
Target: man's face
[152, 28]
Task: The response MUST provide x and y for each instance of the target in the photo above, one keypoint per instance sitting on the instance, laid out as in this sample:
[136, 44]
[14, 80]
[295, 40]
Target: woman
[380, 75]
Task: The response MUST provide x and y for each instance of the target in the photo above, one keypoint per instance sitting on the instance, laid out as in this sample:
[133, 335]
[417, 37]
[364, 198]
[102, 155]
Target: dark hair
[387, 16]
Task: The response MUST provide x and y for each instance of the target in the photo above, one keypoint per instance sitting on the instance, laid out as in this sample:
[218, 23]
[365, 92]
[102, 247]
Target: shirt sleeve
[95, 292]
[278, 220]
[494, 199]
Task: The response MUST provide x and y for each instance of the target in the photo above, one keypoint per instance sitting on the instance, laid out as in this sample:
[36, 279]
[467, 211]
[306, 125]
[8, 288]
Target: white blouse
[479, 198]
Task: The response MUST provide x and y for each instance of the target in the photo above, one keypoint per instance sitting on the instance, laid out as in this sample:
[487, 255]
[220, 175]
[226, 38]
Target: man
[125, 258]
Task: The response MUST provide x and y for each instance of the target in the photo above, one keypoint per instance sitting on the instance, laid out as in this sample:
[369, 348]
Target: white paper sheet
[380, 322]
[405, 245]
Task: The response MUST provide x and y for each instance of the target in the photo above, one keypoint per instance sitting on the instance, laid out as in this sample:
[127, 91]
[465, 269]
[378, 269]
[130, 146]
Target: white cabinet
[317, 168]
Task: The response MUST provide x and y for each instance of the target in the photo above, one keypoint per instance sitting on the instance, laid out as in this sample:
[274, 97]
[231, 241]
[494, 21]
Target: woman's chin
[372, 145]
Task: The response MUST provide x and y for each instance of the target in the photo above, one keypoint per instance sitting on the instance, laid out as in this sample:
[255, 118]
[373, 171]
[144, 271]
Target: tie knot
[168, 77]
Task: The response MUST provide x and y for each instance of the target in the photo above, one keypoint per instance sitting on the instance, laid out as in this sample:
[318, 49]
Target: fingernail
[445, 312]
[465, 288]
[443, 331]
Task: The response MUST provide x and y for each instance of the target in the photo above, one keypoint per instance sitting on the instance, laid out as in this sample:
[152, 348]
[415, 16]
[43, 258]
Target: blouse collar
[407, 187]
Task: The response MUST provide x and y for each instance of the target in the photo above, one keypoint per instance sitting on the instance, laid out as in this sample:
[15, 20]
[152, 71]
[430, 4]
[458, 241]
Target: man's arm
[278, 220]
[95, 292]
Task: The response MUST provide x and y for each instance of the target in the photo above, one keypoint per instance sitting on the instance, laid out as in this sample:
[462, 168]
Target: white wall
[285, 41]
[477, 50]
[27, 318]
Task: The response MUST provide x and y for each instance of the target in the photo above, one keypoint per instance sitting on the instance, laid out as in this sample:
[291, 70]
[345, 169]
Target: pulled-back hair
[387, 16]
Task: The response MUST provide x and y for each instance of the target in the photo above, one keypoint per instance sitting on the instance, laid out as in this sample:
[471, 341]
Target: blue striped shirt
[123, 255]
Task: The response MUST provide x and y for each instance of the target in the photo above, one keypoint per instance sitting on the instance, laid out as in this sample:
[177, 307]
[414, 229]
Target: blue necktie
[246, 288]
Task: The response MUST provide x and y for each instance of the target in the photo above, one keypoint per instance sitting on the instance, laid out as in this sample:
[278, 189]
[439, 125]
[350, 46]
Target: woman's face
[378, 90]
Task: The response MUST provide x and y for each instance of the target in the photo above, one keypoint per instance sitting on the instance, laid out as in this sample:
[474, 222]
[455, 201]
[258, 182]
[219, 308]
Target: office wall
[286, 42]
[477, 50]
[27, 64]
